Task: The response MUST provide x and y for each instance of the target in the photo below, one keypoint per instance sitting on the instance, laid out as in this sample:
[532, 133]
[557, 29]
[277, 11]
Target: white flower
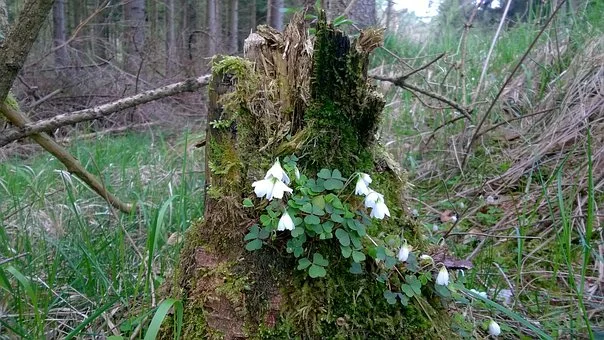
[372, 198]
[297, 173]
[434, 227]
[443, 277]
[494, 328]
[403, 253]
[362, 187]
[271, 188]
[483, 294]
[453, 218]
[425, 257]
[277, 171]
[375, 201]
[285, 222]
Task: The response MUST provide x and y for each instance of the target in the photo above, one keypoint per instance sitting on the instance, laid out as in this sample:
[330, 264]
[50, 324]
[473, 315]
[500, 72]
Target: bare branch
[55, 122]
[72, 164]
[400, 82]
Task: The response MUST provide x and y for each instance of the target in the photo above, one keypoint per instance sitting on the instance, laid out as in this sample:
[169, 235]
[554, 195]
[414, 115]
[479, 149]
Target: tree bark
[134, 17]
[59, 34]
[19, 41]
[170, 36]
[213, 27]
[234, 27]
[275, 14]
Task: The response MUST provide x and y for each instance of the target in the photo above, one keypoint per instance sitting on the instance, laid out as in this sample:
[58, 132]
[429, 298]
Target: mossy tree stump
[293, 94]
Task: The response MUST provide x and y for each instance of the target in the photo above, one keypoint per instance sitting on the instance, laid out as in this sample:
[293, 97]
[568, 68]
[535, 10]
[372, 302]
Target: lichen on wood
[318, 104]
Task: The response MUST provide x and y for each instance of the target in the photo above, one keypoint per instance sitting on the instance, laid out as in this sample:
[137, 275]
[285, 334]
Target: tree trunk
[285, 99]
[134, 17]
[363, 13]
[275, 14]
[214, 27]
[253, 20]
[170, 37]
[234, 27]
[389, 13]
[58, 33]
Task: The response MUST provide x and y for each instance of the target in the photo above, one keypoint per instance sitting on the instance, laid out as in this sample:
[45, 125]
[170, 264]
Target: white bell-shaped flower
[443, 277]
[403, 253]
[277, 171]
[375, 201]
[494, 328]
[285, 222]
[372, 198]
[271, 188]
[361, 188]
[297, 173]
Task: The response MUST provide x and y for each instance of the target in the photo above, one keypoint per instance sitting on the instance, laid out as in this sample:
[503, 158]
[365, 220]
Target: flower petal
[494, 328]
[279, 188]
[361, 188]
[443, 277]
[263, 187]
[403, 253]
[277, 171]
[285, 222]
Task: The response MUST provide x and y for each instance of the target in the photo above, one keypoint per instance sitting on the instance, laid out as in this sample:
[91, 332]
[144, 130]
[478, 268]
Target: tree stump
[308, 96]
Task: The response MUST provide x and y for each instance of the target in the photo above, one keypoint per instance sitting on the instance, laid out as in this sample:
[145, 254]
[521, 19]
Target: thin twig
[507, 81]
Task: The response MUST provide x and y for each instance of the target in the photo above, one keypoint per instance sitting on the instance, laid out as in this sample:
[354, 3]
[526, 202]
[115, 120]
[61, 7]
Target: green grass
[84, 268]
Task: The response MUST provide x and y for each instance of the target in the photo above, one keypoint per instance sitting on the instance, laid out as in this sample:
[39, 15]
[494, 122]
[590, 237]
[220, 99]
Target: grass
[78, 267]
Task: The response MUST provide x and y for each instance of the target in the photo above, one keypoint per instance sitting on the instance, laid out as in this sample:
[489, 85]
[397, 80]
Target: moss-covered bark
[322, 108]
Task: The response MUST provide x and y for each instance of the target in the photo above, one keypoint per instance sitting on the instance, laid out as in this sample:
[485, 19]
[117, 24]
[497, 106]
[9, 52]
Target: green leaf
[337, 175]
[346, 251]
[324, 173]
[312, 219]
[254, 230]
[355, 268]
[317, 211]
[297, 232]
[266, 220]
[343, 237]
[415, 284]
[390, 297]
[307, 208]
[357, 256]
[298, 251]
[390, 262]
[319, 260]
[160, 314]
[317, 228]
[356, 242]
[337, 218]
[247, 203]
[333, 184]
[303, 263]
[337, 203]
[264, 233]
[328, 226]
[254, 245]
[316, 271]
[442, 290]
[380, 253]
[407, 290]
[404, 299]
[318, 203]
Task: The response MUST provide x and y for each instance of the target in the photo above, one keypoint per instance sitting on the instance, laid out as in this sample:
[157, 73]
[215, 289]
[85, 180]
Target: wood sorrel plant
[326, 207]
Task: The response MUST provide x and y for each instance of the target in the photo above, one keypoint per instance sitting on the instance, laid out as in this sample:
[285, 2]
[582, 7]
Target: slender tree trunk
[101, 32]
[3, 19]
[389, 10]
[234, 27]
[213, 27]
[253, 20]
[275, 14]
[134, 16]
[59, 34]
[170, 36]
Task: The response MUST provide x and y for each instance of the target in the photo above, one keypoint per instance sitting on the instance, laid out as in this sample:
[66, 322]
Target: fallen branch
[55, 122]
[72, 164]
[102, 133]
